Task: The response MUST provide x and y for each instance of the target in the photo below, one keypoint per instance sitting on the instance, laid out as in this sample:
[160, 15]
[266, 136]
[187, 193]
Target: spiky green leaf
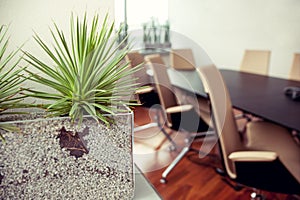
[87, 73]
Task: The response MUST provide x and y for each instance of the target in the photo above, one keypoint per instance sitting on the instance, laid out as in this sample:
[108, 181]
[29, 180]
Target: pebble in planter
[35, 166]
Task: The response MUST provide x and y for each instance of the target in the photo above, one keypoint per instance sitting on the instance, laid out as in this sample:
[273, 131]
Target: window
[140, 12]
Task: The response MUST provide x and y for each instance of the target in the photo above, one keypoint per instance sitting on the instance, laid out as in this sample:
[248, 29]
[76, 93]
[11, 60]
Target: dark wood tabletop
[264, 97]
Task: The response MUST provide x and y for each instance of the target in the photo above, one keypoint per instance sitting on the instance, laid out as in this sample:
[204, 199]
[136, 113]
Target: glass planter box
[51, 158]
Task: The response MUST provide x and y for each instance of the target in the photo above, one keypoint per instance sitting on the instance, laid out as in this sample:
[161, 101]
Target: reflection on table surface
[143, 188]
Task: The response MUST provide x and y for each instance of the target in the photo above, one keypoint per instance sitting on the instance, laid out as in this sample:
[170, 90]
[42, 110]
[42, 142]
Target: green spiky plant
[10, 80]
[88, 74]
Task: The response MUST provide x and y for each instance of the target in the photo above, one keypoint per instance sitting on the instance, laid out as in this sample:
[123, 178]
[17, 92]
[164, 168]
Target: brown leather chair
[256, 61]
[176, 116]
[182, 59]
[266, 157]
[146, 94]
[295, 68]
[136, 59]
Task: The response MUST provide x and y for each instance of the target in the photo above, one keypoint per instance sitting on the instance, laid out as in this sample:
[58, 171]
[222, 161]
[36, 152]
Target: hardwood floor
[193, 178]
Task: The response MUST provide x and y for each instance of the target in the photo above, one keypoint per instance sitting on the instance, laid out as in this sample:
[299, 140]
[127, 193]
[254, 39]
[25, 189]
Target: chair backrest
[221, 107]
[182, 59]
[163, 84]
[295, 68]
[135, 59]
[256, 61]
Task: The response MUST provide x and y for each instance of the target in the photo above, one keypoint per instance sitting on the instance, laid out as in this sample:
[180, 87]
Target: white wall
[29, 16]
[225, 28]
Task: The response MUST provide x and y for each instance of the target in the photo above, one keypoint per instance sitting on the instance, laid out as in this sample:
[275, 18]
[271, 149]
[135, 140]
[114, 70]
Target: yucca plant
[10, 80]
[88, 73]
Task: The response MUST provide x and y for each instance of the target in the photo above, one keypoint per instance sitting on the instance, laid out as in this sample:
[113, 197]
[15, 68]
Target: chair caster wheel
[220, 171]
[172, 148]
[187, 140]
[163, 180]
[255, 195]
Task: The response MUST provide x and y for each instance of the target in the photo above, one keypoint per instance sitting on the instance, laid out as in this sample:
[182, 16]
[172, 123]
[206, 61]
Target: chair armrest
[239, 116]
[263, 170]
[178, 109]
[242, 116]
[248, 156]
[144, 90]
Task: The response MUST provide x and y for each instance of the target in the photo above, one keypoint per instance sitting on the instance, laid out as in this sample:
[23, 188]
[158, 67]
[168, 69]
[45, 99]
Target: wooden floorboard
[193, 178]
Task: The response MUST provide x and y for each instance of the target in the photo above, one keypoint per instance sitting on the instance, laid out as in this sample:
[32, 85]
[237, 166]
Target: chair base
[157, 123]
[146, 126]
[256, 195]
[235, 186]
[183, 152]
[173, 164]
[173, 146]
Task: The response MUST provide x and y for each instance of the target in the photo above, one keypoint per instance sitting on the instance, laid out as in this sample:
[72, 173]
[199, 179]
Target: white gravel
[33, 165]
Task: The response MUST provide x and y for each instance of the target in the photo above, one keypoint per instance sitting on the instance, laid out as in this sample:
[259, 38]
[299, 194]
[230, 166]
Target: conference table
[262, 96]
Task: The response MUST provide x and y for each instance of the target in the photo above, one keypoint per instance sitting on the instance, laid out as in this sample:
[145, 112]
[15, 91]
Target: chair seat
[270, 137]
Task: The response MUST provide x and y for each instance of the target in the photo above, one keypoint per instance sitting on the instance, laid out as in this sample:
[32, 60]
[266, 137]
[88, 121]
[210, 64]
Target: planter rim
[32, 112]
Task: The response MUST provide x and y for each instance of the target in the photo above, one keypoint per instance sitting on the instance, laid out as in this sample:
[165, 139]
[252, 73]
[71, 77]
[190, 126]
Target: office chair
[294, 75]
[256, 61]
[177, 117]
[182, 59]
[266, 157]
[295, 68]
[146, 94]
